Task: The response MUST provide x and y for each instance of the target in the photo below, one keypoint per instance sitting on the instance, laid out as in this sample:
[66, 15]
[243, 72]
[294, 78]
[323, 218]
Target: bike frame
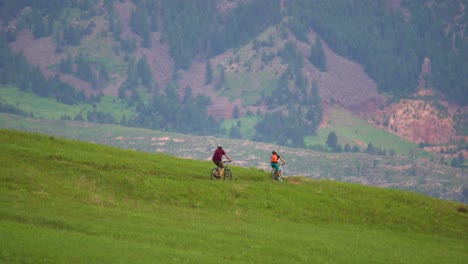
[278, 175]
[227, 174]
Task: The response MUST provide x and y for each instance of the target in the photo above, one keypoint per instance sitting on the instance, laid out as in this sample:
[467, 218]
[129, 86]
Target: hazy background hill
[301, 74]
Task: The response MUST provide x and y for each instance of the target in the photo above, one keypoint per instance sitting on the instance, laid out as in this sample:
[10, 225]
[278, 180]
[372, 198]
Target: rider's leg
[220, 168]
[276, 168]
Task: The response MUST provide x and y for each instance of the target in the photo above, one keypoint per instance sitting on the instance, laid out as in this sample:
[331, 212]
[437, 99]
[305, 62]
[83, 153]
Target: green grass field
[65, 201]
[246, 128]
[401, 172]
[49, 108]
[353, 130]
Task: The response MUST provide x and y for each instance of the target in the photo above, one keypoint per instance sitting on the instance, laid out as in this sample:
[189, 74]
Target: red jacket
[218, 154]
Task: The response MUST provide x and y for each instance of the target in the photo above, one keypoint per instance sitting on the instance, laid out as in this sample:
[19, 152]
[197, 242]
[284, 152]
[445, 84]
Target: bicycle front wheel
[227, 174]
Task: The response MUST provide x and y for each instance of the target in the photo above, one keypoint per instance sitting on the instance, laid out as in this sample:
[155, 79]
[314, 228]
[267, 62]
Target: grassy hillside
[66, 201]
[49, 108]
[352, 130]
[401, 172]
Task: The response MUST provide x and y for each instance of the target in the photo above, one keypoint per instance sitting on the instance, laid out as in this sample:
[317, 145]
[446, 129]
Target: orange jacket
[275, 158]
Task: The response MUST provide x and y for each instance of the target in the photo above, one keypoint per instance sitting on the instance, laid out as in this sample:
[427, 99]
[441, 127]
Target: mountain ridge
[344, 82]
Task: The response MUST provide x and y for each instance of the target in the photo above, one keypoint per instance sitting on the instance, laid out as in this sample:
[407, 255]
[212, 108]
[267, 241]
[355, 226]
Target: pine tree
[66, 65]
[208, 72]
[315, 110]
[332, 140]
[38, 28]
[235, 112]
[144, 72]
[317, 55]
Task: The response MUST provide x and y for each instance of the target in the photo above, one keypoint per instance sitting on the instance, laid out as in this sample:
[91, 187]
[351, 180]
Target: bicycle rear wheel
[214, 174]
[273, 175]
[227, 174]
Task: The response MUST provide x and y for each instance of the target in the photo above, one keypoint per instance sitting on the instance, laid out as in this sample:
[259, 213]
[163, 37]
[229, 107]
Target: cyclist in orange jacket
[274, 161]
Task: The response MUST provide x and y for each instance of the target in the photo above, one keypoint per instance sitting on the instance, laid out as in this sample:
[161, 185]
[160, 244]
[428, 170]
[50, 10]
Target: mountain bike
[278, 176]
[227, 174]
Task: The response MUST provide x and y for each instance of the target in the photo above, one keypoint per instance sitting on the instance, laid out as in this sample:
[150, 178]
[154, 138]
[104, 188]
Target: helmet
[220, 147]
[273, 151]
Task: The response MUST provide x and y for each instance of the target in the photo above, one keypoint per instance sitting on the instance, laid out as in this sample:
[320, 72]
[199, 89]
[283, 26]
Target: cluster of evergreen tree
[10, 9]
[84, 70]
[304, 109]
[93, 116]
[283, 129]
[461, 122]
[194, 28]
[100, 117]
[441, 26]
[458, 161]
[391, 48]
[115, 25]
[168, 112]
[144, 20]
[11, 109]
[334, 146]
[46, 18]
[285, 93]
[138, 73]
[317, 55]
[16, 71]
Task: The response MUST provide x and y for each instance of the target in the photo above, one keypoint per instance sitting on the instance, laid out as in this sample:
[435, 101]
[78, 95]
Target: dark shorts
[275, 165]
[219, 163]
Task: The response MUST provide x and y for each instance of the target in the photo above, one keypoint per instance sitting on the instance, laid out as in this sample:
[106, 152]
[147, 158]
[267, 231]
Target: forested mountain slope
[186, 66]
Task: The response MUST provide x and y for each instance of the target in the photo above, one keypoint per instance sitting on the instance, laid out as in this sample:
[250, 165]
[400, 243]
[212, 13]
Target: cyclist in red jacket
[218, 159]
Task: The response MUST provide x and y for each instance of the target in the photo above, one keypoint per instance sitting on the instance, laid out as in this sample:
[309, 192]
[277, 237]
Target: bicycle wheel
[273, 175]
[214, 174]
[281, 177]
[227, 174]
